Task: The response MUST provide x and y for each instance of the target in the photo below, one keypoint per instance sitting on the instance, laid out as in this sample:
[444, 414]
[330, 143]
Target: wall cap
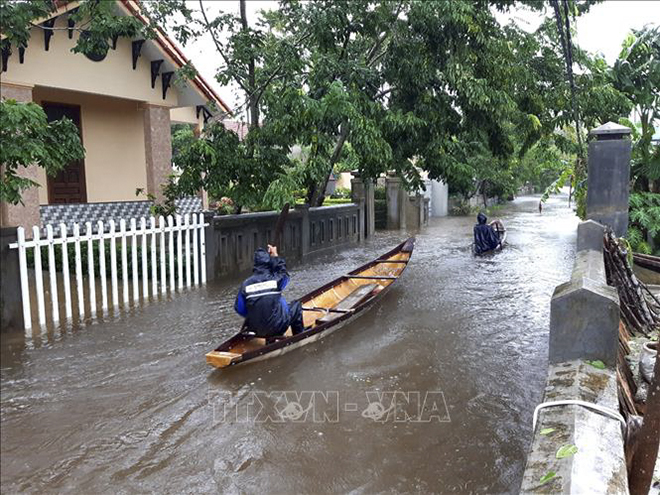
[610, 128]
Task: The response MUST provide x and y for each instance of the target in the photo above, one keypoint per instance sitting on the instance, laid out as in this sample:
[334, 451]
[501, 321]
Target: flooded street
[129, 405]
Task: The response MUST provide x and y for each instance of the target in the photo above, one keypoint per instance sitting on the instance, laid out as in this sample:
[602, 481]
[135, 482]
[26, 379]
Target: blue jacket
[260, 299]
[485, 237]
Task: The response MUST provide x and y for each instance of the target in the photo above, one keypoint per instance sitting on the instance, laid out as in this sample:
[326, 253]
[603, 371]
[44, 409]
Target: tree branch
[219, 47]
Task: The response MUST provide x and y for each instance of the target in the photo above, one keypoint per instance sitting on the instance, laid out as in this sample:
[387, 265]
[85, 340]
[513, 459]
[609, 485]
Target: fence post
[304, 230]
[11, 303]
[211, 246]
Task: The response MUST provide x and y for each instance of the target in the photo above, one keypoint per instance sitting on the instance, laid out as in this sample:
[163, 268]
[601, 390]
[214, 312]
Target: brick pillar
[157, 147]
[27, 214]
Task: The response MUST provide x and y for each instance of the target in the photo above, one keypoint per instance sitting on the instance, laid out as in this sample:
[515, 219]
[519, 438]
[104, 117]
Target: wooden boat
[325, 310]
[647, 261]
[500, 230]
[647, 269]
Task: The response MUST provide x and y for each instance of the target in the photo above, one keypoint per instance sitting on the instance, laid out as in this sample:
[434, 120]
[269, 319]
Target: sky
[601, 30]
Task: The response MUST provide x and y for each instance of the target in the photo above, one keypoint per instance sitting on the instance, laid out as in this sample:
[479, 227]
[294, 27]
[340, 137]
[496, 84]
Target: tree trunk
[252, 97]
[646, 454]
[316, 194]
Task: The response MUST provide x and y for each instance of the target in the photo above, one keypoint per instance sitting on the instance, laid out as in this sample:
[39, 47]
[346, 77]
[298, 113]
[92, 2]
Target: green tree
[28, 138]
[637, 75]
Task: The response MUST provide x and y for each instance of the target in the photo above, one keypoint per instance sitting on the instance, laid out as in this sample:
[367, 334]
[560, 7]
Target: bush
[336, 201]
[380, 193]
[341, 192]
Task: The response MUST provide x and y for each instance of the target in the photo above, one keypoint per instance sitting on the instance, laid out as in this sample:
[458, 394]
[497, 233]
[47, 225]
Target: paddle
[279, 227]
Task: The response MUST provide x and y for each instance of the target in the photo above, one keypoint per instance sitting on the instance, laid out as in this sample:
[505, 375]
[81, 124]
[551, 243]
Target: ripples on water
[127, 405]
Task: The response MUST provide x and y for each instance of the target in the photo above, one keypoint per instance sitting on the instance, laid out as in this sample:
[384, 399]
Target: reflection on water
[127, 404]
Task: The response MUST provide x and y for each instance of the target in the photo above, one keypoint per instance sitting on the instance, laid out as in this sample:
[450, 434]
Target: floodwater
[458, 349]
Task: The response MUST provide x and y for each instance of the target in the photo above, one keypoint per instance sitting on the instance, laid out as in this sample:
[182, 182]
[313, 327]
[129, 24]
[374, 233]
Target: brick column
[157, 148]
[27, 214]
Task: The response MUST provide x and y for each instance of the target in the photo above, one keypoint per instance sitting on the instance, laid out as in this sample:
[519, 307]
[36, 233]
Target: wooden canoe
[500, 230]
[325, 309]
[647, 261]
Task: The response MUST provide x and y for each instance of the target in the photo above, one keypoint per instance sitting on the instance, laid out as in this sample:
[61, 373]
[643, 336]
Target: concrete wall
[113, 137]
[234, 238]
[584, 327]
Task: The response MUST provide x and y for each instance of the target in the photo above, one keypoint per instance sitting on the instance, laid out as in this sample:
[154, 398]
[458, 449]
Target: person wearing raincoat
[485, 237]
[260, 300]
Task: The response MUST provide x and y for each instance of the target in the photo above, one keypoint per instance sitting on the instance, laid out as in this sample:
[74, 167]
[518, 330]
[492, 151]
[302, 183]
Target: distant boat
[325, 310]
[500, 230]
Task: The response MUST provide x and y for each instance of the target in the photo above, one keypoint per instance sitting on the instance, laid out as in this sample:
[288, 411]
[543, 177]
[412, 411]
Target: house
[124, 104]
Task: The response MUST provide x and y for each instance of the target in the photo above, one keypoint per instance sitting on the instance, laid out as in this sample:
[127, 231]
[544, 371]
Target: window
[354, 224]
[239, 246]
[331, 225]
[322, 234]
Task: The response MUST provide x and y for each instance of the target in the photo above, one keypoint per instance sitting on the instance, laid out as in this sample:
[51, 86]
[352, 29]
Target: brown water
[128, 404]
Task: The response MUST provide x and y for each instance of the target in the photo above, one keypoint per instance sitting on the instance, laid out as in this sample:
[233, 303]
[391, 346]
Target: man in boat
[485, 237]
[260, 299]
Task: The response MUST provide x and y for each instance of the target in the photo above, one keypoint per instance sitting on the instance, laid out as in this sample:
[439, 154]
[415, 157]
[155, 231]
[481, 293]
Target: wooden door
[68, 186]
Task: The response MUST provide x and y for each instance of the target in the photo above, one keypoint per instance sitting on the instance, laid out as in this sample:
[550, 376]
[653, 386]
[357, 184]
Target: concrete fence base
[11, 313]
[598, 465]
[232, 239]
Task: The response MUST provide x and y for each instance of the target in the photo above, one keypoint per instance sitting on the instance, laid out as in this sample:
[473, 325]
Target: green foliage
[377, 86]
[336, 201]
[564, 451]
[28, 138]
[226, 167]
[380, 192]
[342, 193]
[170, 194]
[637, 75]
[549, 476]
[644, 226]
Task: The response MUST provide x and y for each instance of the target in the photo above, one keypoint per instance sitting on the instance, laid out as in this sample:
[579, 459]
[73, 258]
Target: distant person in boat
[260, 299]
[485, 237]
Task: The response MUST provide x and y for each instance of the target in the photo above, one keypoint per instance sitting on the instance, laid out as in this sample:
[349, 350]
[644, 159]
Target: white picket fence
[158, 236]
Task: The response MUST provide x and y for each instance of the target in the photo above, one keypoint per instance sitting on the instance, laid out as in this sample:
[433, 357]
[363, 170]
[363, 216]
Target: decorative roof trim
[176, 55]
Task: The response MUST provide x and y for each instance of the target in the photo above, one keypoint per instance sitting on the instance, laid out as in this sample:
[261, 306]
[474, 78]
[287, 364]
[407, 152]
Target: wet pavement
[127, 404]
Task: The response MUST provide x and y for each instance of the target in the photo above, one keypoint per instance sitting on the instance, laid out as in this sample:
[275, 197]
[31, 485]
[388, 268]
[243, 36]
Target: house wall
[112, 76]
[185, 115]
[113, 137]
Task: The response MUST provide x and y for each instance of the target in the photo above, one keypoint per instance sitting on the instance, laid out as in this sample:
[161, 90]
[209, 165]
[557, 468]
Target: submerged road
[128, 404]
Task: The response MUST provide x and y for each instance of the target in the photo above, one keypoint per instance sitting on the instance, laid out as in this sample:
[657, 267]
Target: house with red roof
[123, 102]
